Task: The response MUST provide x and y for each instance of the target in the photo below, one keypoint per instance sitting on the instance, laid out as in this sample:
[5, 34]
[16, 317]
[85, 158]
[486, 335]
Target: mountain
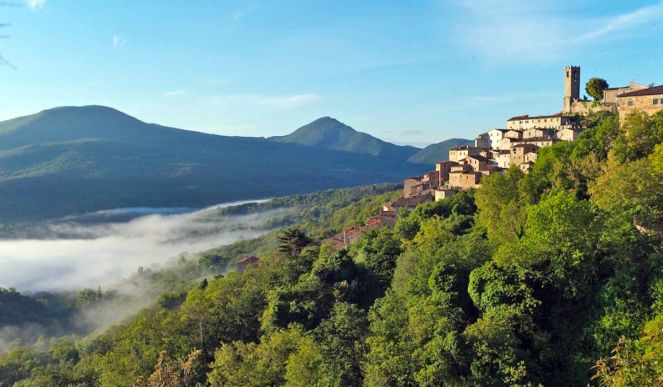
[437, 152]
[329, 133]
[71, 160]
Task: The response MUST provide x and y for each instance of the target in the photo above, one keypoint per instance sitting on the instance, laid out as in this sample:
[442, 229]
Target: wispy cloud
[625, 21]
[118, 41]
[35, 5]
[173, 93]
[510, 30]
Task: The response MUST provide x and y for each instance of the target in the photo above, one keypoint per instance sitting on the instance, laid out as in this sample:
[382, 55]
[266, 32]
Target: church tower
[571, 86]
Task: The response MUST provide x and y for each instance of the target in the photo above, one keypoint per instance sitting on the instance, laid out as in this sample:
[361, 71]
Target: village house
[525, 122]
[502, 158]
[540, 142]
[458, 153]
[464, 179]
[495, 136]
[649, 101]
[539, 132]
[567, 134]
[519, 151]
[482, 141]
[611, 94]
[443, 193]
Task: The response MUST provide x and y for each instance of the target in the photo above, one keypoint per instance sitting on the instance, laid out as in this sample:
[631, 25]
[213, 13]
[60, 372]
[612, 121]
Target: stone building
[502, 158]
[611, 94]
[458, 153]
[649, 100]
[482, 141]
[555, 121]
[495, 136]
[567, 134]
[519, 151]
[539, 132]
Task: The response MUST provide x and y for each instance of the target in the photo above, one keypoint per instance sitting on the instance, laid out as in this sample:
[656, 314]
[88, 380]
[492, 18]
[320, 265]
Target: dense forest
[547, 278]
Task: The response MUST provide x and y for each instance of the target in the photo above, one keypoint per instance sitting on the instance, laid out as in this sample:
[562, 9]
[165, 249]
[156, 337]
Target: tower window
[655, 101]
[629, 103]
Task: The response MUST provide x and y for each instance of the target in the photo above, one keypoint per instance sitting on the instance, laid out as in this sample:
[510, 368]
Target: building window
[655, 101]
[629, 102]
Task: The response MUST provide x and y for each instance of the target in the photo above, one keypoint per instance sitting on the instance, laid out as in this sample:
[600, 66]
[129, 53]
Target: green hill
[437, 152]
[329, 133]
[75, 159]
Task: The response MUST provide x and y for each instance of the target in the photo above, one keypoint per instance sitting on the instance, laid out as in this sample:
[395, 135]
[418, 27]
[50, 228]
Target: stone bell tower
[571, 86]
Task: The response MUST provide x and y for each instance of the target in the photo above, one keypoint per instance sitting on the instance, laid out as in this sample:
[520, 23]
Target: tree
[595, 88]
[168, 373]
[292, 241]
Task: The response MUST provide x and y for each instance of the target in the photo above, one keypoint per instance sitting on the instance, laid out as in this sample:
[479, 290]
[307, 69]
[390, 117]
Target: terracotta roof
[478, 157]
[527, 117]
[522, 145]
[617, 88]
[462, 147]
[447, 162]
[248, 260]
[538, 139]
[649, 91]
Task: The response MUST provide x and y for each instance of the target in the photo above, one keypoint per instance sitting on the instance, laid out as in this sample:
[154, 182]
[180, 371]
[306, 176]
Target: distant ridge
[437, 152]
[71, 160]
[329, 133]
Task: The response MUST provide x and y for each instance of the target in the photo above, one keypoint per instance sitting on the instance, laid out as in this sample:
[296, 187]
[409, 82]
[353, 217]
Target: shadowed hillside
[76, 159]
[437, 152]
[329, 133]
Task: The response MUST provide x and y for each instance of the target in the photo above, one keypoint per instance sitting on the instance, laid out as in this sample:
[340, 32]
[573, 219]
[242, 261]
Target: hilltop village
[517, 145]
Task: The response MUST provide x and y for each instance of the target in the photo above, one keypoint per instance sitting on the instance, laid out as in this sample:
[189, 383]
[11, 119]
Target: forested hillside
[72, 160]
[548, 278]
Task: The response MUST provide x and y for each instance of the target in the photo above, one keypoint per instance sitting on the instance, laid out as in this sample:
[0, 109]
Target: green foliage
[551, 278]
[595, 88]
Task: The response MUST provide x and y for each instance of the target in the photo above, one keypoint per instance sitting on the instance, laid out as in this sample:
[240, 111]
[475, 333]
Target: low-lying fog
[101, 248]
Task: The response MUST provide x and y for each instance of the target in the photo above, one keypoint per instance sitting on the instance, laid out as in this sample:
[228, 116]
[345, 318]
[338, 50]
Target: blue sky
[411, 72]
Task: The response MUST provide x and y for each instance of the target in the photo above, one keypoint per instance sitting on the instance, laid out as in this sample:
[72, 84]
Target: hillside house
[464, 180]
[482, 141]
[519, 151]
[649, 101]
[458, 153]
[502, 158]
[568, 134]
[495, 136]
[611, 94]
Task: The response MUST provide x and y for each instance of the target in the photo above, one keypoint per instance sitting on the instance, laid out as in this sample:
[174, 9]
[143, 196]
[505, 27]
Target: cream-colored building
[502, 158]
[495, 136]
[458, 153]
[525, 122]
[648, 100]
[519, 151]
[610, 94]
[538, 132]
[568, 134]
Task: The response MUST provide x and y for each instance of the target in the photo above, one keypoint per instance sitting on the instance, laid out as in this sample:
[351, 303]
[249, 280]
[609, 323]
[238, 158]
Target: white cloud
[173, 93]
[119, 41]
[35, 5]
[517, 31]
